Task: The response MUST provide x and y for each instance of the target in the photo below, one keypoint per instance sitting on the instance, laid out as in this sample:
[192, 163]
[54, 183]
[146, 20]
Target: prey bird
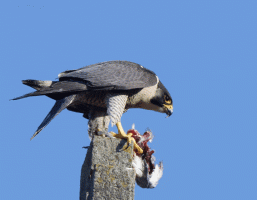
[103, 92]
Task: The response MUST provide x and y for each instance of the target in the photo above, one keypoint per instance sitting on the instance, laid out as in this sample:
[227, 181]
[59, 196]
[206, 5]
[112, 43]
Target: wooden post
[107, 171]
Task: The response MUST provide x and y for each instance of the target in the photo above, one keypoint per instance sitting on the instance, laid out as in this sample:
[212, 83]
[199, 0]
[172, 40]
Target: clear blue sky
[205, 53]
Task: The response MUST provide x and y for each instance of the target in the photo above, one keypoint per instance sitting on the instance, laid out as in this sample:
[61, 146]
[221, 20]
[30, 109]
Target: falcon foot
[121, 134]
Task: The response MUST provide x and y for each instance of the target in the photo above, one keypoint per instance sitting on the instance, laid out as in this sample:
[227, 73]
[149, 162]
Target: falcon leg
[121, 134]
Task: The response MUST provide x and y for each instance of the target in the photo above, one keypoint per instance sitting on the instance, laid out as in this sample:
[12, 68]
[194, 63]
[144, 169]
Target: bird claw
[129, 139]
[139, 150]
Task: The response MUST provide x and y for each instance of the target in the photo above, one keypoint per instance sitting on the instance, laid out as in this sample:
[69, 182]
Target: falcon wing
[112, 75]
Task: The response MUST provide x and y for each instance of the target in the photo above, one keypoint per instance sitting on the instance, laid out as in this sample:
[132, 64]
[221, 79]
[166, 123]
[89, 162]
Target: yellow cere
[168, 106]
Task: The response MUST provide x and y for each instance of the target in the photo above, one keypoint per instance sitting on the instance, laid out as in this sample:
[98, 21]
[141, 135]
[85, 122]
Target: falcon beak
[169, 109]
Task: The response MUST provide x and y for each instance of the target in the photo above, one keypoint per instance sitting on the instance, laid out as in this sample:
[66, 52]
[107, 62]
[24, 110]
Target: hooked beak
[169, 109]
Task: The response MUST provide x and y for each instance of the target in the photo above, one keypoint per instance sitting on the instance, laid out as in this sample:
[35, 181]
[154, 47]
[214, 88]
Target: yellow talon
[121, 134]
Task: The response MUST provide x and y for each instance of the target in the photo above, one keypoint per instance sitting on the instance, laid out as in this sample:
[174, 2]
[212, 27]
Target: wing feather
[112, 75]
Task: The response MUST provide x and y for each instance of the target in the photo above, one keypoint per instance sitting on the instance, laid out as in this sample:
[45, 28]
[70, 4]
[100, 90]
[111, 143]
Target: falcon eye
[167, 99]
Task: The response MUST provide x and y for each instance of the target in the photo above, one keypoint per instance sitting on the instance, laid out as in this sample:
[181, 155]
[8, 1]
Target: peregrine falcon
[103, 92]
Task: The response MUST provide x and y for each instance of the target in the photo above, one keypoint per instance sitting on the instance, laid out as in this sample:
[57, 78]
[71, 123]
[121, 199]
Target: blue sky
[204, 52]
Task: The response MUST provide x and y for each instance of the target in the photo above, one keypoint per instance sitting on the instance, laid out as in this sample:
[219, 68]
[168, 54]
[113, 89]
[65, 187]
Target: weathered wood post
[107, 171]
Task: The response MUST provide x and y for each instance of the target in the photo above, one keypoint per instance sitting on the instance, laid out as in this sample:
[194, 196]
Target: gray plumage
[98, 123]
[103, 92]
[112, 75]
[58, 107]
[115, 106]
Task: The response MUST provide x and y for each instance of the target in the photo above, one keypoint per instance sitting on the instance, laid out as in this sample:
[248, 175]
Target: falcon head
[162, 100]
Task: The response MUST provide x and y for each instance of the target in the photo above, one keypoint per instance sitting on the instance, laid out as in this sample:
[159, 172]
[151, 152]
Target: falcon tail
[54, 89]
[37, 93]
[37, 84]
[57, 108]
